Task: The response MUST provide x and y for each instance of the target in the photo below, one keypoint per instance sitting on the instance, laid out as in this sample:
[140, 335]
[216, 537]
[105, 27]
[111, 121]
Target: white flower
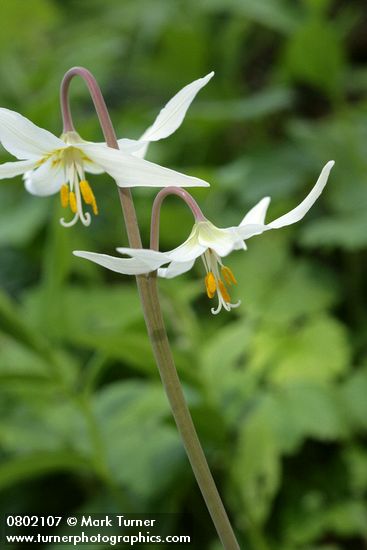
[212, 244]
[51, 164]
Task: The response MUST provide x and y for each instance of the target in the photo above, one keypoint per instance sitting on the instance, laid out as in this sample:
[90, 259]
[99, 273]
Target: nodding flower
[51, 164]
[212, 244]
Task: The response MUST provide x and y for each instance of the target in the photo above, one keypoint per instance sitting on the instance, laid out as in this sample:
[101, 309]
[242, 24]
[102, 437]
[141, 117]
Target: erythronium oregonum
[50, 164]
[211, 243]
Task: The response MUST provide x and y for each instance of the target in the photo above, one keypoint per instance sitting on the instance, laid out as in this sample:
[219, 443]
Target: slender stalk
[163, 193]
[148, 291]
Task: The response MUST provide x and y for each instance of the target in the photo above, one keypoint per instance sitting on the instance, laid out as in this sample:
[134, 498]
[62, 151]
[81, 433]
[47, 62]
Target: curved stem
[156, 209]
[148, 291]
[109, 135]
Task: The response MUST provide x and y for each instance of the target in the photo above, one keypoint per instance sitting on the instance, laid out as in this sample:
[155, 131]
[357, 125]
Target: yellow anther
[210, 284]
[88, 195]
[72, 202]
[95, 207]
[224, 291]
[228, 275]
[87, 192]
[64, 196]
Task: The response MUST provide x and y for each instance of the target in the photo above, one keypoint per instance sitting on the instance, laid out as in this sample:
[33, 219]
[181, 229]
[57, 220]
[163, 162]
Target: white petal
[153, 258]
[298, 213]
[45, 180]
[91, 167]
[11, 169]
[249, 230]
[257, 214]
[188, 250]
[142, 151]
[132, 146]
[23, 139]
[126, 266]
[174, 269]
[222, 241]
[130, 171]
[173, 113]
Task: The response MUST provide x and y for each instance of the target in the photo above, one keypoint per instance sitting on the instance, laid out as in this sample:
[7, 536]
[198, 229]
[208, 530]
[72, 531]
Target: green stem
[148, 291]
[171, 382]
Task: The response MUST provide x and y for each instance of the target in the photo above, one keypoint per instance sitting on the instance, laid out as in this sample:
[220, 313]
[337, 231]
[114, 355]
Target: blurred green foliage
[277, 388]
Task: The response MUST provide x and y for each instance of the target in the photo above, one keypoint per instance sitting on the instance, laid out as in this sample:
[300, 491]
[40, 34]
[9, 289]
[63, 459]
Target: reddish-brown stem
[163, 193]
[109, 135]
[148, 291]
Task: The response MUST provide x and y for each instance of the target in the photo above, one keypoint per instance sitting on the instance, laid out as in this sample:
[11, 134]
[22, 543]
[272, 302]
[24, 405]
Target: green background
[277, 387]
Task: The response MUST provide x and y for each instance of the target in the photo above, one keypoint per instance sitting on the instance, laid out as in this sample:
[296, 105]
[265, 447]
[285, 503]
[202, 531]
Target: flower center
[76, 188]
[216, 279]
[70, 198]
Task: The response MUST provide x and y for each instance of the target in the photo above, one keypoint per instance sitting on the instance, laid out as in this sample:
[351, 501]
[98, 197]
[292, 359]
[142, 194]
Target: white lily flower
[50, 164]
[211, 243]
[168, 119]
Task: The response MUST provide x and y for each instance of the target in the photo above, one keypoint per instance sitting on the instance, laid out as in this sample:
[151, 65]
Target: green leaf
[20, 222]
[227, 382]
[18, 360]
[36, 465]
[354, 398]
[85, 313]
[356, 461]
[348, 232]
[256, 468]
[260, 105]
[315, 56]
[299, 354]
[143, 452]
[274, 14]
[305, 411]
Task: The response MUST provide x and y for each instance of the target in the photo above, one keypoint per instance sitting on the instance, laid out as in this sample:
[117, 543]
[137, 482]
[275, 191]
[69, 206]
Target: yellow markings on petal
[72, 202]
[88, 195]
[64, 196]
[228, 276]
[41, 161]
[224, 291]
[210, 284]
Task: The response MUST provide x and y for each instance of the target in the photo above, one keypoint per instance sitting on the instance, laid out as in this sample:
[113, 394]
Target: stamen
[228, 275]
[72, 202]
[64, 196]
[95, 207]
[88, 195]
[87, 192]
[224, 291]
[210, 284]
[70, 223]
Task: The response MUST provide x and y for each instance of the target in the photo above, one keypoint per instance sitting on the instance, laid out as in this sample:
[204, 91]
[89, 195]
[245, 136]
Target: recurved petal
[153, 258]
[23, 139]
[249, 230]
[175, 268]
[45, 180]
[133, 146]
[11, 169]
[126, 266]
[173, 113]
[299, 212]
[131, 171]
[257, 214]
